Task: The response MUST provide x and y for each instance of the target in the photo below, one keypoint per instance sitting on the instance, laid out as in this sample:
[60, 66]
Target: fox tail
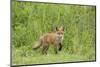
[37, 45]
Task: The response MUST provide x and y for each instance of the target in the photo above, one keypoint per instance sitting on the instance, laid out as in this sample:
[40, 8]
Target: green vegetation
[31, 20]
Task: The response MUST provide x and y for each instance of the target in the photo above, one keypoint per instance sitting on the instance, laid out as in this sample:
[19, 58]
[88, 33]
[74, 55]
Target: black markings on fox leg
[60, 46]
[45, 49]
[55, 49]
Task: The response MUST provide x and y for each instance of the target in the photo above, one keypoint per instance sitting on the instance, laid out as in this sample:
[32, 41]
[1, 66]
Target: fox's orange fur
[54, 38]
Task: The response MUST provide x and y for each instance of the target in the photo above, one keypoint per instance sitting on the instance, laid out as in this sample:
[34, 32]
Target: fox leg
[55, 49]
[45, 49]
[60, 47]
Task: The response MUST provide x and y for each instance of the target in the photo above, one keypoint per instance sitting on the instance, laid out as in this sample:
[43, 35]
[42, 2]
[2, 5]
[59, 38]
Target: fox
[52, 38]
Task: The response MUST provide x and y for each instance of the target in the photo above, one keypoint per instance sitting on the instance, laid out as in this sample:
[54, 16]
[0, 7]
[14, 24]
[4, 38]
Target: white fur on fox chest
[60, 38]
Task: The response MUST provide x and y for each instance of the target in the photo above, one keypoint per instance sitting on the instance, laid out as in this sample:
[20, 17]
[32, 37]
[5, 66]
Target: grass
[37, 58]
[31, 20]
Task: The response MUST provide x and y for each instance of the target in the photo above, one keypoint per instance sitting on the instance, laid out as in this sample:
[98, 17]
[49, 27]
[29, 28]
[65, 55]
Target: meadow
[31, 20]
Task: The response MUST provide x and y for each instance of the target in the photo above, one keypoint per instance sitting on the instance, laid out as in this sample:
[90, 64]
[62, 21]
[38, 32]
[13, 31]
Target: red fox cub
[53, 38]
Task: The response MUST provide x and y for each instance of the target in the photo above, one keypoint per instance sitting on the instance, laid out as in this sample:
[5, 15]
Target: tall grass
[31, 20]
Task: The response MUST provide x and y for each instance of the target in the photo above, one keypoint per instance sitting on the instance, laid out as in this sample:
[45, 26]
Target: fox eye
[58, 33]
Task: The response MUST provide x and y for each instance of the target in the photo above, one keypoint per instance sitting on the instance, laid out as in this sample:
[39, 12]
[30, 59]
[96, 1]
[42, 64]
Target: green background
[31, 20]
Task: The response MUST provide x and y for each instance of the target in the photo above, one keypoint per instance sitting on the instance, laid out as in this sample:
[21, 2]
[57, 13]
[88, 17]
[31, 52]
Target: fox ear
[62, 28]
[56, 28]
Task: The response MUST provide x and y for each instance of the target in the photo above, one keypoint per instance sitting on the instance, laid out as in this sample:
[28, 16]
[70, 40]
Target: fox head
[60, 31]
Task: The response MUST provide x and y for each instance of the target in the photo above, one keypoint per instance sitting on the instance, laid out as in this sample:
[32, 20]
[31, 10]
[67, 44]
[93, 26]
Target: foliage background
[31, 20]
